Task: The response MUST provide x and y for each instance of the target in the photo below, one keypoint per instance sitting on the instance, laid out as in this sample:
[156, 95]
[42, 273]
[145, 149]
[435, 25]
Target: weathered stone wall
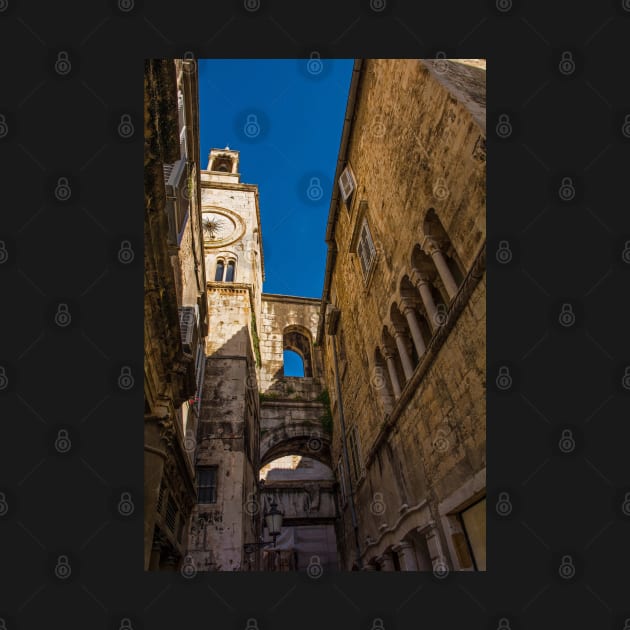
[280, 312]
[414, 146]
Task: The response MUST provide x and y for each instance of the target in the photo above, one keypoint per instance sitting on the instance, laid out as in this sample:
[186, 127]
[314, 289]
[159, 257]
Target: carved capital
[431, 245]
[407, 304]
[167, 430]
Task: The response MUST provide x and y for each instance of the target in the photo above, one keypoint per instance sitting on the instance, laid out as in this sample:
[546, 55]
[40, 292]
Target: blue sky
[285, 117]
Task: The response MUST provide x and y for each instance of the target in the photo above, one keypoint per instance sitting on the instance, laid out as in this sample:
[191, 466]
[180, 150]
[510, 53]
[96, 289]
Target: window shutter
[346, 184]
[171, 514]
[188, 316]
[183, 145]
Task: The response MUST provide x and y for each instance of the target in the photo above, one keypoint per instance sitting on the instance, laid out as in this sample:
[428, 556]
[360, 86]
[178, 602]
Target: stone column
[435, 547]
[404, 354]
[410, 314]
[442, 267]
[406, 555]
[386, 562]
[391, 368]
[424, 288]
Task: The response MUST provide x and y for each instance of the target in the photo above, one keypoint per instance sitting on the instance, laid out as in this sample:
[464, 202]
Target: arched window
[293, 364]
[229, 275]
[218, 276]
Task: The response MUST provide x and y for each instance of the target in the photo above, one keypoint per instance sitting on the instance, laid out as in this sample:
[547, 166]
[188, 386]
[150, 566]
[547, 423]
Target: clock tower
[227, 513]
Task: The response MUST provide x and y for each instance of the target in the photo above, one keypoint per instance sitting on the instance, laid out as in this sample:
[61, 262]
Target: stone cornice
[416, 513]
[275, 297]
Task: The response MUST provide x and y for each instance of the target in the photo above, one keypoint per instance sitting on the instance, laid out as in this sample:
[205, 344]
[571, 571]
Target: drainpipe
[332, 331]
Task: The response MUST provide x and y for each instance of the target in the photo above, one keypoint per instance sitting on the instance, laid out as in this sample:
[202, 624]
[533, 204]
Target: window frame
[215, 470]
[349, 198]
[365, 244]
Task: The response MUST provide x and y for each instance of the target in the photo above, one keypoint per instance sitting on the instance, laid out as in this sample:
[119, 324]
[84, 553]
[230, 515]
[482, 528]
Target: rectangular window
[347, 186]
[366, 249]
[474, 523]
[207, 484]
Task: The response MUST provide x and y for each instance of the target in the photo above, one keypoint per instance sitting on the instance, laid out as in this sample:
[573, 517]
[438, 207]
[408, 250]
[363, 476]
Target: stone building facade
[383, 438]
[402, 323]
[175, 311]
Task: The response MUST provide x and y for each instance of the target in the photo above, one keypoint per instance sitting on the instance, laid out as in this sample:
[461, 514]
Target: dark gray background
[563, 501]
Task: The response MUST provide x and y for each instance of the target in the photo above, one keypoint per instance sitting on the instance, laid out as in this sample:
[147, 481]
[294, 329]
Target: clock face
[221, 227]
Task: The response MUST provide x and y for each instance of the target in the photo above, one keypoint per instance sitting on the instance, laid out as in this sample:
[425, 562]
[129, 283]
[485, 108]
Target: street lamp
[273, 519]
